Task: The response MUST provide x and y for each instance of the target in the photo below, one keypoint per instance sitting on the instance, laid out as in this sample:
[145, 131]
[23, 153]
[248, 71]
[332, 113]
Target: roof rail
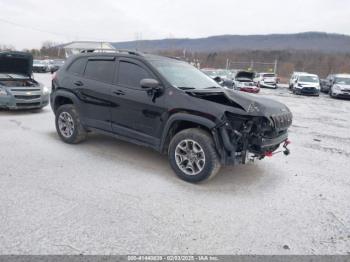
[102, 50]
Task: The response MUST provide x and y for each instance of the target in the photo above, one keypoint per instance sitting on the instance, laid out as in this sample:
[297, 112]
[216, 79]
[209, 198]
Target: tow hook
[286, 151]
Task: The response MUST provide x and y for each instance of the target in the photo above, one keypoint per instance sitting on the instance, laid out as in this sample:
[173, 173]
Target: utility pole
[227, 64]
[275, 69]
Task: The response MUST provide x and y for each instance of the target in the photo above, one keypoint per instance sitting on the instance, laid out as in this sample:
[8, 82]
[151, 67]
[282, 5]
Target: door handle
[78, 83]
[119, 93]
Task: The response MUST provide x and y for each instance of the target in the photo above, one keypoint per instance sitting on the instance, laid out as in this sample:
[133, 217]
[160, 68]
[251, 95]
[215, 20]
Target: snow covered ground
[106, 196]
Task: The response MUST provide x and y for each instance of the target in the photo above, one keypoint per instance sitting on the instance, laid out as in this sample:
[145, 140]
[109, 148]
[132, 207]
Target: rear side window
[100, 70]
[131, 74]
[78, 66]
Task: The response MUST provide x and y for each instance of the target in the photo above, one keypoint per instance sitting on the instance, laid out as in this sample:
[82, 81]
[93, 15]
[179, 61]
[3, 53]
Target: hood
[16, 63]
[253, 105]
[245, 75]
[342, 86]
[256, 105]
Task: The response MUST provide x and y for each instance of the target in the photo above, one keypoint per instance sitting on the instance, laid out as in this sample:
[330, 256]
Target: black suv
[168, 105]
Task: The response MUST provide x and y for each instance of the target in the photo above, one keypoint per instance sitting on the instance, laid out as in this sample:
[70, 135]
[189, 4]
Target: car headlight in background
[336, 87]
[46, 90]
[3, 92]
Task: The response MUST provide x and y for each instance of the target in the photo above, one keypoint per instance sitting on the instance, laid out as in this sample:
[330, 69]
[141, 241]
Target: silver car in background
[18, 90]
[340, 86]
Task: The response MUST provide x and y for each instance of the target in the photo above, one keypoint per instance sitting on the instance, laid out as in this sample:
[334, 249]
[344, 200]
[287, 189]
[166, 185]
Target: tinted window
[78, 66]
[100, 70]
[131, 74]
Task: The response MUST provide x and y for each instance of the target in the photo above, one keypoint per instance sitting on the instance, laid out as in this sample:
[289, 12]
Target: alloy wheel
[66, 124]
[190, 157]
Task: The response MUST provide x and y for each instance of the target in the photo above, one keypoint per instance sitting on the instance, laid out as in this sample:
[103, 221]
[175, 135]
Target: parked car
[168, 105]
[56, 64]
[293, 78]
[41, 66]
[268, 80]
[327, 83]
[18, 90]
[221, 76]
[306, 84]
[340, 86]
[244, 81]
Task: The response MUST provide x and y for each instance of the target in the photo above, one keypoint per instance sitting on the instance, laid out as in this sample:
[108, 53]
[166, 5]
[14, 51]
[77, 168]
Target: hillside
[316, 41]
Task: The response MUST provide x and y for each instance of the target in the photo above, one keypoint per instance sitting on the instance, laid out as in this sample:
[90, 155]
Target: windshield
[38, 62]
[183, 75]
[309, 79]
[269, 75]
[57, 62]
[219, 72]
[342, 81]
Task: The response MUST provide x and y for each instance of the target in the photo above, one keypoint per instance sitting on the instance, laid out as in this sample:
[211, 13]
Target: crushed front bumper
[266, 143]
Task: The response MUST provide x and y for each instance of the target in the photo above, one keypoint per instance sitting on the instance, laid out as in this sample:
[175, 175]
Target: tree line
[288, 61]
[48, 49]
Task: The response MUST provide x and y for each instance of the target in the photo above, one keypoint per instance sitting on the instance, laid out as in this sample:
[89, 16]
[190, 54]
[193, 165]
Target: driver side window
[131, 74]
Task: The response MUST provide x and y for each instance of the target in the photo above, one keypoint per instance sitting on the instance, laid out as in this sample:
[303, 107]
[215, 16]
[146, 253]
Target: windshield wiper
[186, 87]
[212, 87]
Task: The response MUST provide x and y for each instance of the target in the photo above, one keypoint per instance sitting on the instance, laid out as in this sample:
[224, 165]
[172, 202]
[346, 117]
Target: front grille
[25, 89]
[27, 104]
[28, 97]
[308, 90]
[282, 121]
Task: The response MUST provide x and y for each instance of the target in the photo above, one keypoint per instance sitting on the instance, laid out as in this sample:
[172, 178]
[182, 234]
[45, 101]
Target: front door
[136, 114]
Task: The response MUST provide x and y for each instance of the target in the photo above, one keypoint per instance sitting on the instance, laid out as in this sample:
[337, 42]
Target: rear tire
[68, 125]
[192, 155]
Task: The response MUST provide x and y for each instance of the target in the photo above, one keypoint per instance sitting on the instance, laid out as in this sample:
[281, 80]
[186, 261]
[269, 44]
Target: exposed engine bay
[256, 129]
[259, 136]
[18, 82]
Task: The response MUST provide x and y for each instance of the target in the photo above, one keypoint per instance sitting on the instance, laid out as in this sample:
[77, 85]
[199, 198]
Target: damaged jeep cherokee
[168, 105]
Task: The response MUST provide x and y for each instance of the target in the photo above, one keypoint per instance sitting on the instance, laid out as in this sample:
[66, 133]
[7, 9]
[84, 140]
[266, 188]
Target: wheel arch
[62, 98]
[182, 121]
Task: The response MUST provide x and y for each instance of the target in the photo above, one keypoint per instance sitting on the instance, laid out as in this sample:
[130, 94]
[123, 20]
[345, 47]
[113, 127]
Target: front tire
[192, 155]
[68, 125]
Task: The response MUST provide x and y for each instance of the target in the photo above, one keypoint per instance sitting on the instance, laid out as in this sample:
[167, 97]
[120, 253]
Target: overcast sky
[27, 23]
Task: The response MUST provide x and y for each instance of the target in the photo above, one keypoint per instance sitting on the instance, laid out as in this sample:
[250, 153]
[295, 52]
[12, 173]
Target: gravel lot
[105, 196]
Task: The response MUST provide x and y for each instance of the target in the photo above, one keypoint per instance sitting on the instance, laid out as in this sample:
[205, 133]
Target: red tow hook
[269, 154]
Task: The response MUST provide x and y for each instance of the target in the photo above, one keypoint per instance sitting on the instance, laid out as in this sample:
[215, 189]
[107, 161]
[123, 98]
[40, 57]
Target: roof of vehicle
[307, 74]
[342, 75]
[299, 73]
[267, 73]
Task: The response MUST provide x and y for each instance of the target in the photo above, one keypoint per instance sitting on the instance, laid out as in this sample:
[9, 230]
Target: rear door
[136, 114]
[94, 91]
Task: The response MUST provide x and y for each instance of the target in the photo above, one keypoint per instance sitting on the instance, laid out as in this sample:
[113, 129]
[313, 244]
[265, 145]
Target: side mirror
[53, 70]
[150, 84]
[217, 79]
